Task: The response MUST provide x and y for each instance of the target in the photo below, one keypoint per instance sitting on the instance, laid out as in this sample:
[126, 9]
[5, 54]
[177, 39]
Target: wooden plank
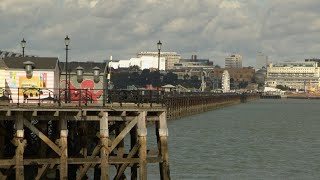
[43, 127]
[43, 137]
[2, 177]
[123, 167]
[85, 168]
[152, 152]
[48, 161]
[142, 135]
[84, 118]
[123, 133]
[7, 162]
[8, 113]
[104, 151]
[163, 133]
[63, 148]
[120, 147]
[133, 142]
[20, 143]
[42, 171]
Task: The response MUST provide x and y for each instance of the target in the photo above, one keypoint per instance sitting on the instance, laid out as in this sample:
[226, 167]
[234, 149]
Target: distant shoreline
[303, 96]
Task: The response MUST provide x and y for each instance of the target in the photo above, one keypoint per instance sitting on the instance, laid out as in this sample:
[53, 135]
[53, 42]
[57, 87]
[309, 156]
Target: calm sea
[264, 139]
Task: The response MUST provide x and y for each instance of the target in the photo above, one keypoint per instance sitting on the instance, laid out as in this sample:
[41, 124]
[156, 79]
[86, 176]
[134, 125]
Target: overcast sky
[281, 29]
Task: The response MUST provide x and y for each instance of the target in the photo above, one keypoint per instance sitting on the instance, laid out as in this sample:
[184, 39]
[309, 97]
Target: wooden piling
[142, 135]
[63, 148]
[104, 151]
[20, 143]
[163, 151]
[52, 140]
[133, 142]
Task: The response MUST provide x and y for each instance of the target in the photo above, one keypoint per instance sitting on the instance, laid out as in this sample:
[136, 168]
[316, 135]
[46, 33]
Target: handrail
[95, 97]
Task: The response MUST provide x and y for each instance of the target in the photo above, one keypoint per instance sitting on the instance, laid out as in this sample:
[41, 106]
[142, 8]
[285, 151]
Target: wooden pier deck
[41, 138]
[70, 139]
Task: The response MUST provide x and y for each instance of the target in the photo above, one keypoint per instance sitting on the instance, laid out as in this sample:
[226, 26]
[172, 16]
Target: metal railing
[94, 97]
[80, 97]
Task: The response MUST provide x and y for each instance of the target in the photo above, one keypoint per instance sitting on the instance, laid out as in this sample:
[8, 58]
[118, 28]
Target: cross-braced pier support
[67, 142]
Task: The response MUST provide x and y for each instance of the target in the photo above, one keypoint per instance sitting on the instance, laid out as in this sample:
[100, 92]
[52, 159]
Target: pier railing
[80, 97]
[94, 97]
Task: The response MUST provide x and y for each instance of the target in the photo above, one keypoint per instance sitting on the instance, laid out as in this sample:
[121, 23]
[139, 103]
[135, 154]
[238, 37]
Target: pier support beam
[104, 151]
[163, 146]
[20, 143]
[63, 148]
[142, 135]
[133, 142]
[120, 150]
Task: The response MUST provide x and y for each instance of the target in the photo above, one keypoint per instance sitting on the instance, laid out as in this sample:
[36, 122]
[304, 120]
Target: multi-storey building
[245, 74]
[170, 57]
[143, 62]
[194, 63]
[233, 61]
[313, 60]
[297, 75]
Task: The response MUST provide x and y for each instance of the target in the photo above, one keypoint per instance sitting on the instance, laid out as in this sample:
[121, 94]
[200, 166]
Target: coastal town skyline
[282, 30]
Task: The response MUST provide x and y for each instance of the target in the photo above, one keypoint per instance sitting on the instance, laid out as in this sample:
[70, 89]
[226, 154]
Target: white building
[297, 75]
[225, 81]
[144, 62]
[171, 58]
[261, 61]
[233, 61]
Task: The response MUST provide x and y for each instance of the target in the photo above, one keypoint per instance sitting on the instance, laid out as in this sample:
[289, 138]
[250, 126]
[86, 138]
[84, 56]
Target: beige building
[297, 75]
[171, 57]
[237, 74]
[233, 61]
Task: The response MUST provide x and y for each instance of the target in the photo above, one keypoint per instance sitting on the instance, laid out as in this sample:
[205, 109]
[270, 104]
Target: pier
[45, 137]
[40, 138]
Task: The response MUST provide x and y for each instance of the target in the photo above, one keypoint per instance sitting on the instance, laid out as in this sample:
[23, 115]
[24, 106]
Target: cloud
[282, 29]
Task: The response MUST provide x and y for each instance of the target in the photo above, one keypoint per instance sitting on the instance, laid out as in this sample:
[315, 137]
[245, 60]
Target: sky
[212, 29]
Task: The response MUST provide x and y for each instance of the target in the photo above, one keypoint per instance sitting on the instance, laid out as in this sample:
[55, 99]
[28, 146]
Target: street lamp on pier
[159, 44]
[23, 45]
[67, 42]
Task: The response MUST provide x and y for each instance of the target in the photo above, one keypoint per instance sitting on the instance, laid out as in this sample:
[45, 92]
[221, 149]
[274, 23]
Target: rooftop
[39, 62]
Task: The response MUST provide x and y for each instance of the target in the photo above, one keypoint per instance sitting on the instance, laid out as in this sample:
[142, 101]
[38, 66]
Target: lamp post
[159, 44]
[107, 76]
[23, 45]
[66, 41]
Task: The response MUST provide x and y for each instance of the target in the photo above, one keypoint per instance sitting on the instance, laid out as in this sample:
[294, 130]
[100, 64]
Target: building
[87, 83]
[261, 61]
[143, 62]
[23, 83]
[313, 60]
[170, 58]
[4, 54]
[245, 74]
[225, 81]
[297, 75]
[194, 63]
[233, 61]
